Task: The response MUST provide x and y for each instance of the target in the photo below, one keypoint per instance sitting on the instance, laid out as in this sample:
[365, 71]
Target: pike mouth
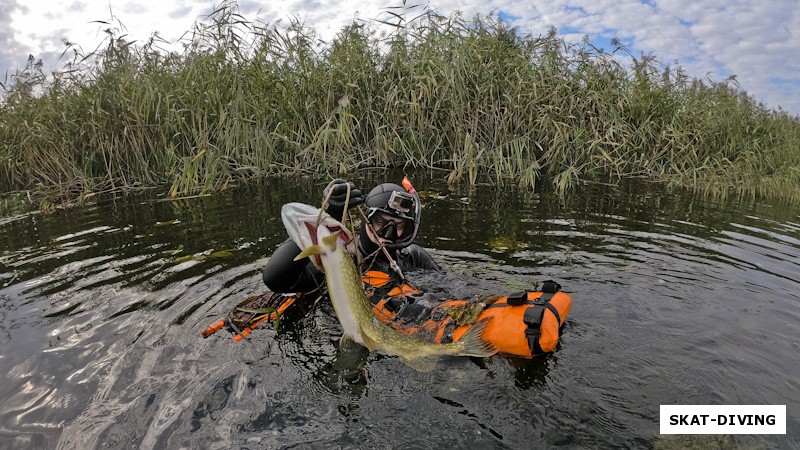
[304, 224]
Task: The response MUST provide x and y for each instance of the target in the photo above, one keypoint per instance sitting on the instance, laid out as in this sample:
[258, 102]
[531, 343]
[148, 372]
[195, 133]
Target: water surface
[676, 300]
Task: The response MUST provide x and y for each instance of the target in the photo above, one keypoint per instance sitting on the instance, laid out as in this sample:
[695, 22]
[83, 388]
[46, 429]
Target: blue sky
[756, 40]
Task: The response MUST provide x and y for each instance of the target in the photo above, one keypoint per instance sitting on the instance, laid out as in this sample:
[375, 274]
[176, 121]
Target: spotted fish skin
[354, 311]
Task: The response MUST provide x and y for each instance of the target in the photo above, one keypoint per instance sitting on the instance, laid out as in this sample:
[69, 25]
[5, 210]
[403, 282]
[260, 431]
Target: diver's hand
[338, 195]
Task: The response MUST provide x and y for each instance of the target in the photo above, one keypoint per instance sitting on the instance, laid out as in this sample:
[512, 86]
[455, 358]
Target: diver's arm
[283, 274]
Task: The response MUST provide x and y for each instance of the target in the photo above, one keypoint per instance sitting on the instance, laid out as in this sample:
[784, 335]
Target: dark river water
[676, 300]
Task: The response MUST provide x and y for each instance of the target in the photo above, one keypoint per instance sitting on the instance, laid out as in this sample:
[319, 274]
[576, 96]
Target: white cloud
[757, 40]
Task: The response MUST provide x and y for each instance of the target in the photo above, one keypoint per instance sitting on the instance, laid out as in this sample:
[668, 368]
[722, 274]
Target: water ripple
[675, 300]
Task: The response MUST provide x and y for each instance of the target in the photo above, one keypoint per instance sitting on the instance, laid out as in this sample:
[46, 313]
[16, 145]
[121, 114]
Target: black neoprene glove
[338, 190]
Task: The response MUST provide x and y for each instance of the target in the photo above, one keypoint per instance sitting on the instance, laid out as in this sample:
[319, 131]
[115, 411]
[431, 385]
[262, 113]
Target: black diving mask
[388, 231]
[400, 204]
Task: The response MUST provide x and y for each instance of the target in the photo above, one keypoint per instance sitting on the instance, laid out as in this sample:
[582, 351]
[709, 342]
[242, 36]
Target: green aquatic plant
[503, 243]
[200, 257]
[475, 98]
[175, 251]
[221, 254]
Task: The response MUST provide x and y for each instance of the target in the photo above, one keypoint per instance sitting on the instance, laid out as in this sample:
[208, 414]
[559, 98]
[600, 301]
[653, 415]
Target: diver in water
[385, 243]
[529, 323]
[393, 217]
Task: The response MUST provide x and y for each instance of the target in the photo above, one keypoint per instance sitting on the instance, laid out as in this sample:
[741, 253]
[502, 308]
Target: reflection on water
[676, 300]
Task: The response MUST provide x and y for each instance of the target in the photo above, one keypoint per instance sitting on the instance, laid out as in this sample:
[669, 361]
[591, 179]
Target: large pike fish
[321, 237]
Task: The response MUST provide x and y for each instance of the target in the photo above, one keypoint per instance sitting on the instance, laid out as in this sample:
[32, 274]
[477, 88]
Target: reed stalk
[474, 97]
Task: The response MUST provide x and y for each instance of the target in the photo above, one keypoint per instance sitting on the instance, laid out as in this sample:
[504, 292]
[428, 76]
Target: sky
[758, 41]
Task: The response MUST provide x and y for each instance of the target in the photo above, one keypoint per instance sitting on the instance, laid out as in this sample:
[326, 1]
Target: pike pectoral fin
[350, 354]
[347, 344]
[310, 251]
[330, 241]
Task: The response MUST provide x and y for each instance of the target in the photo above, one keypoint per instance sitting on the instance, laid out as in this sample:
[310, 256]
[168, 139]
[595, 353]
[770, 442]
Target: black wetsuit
[283, 274]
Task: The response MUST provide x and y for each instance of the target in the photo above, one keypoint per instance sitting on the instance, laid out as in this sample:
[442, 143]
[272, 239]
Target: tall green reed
[474, 97]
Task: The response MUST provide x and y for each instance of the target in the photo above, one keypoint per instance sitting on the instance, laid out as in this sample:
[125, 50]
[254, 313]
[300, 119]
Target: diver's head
[393, 215]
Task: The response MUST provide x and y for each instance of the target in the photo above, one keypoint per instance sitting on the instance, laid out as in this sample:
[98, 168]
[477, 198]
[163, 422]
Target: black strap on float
[516, 299]
[521, 298]
[533, 316]
[550, 287]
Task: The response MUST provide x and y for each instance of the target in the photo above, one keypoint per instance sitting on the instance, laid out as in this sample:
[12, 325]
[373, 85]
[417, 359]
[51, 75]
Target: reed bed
[473, 97]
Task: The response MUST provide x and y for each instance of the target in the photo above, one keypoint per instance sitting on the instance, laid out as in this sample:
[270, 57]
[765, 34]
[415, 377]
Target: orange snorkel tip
[408, 186]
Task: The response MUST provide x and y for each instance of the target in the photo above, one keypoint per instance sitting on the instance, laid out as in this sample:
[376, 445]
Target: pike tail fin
[471, 343]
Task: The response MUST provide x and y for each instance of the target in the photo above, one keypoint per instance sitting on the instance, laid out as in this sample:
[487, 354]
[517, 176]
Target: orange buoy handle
[213, 328]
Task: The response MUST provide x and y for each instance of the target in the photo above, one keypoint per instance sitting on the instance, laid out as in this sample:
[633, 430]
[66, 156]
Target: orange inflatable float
[524, 324]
